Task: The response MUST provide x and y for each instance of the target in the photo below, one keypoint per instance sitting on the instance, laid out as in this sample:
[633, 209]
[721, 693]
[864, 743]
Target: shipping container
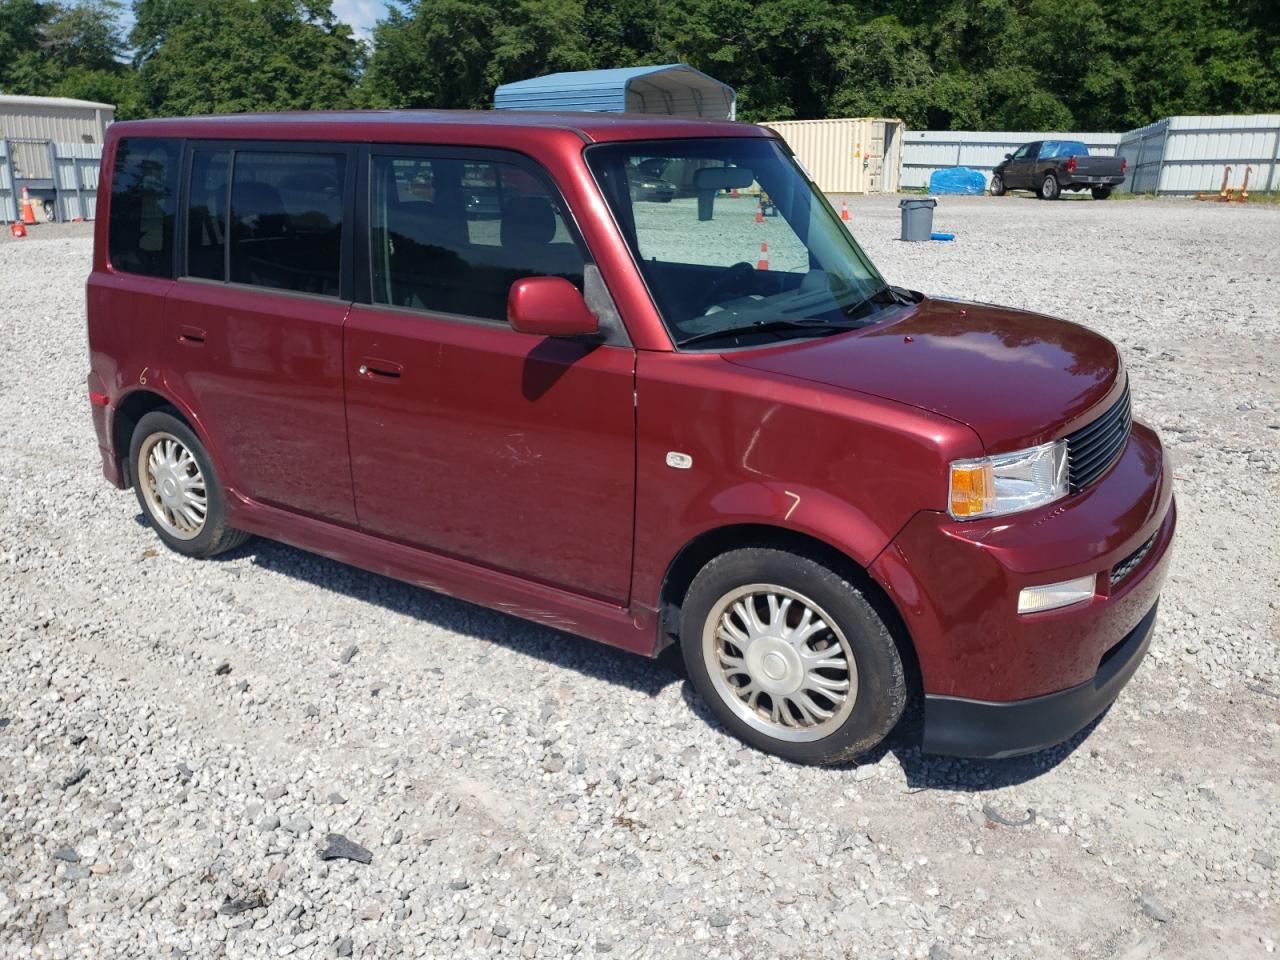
[855, 155]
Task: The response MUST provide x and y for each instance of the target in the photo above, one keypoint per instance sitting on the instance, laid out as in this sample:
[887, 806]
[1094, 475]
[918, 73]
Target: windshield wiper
[883, 296]
[778, 325]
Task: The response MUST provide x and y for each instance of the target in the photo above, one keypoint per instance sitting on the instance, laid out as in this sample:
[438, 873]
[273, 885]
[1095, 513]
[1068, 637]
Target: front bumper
[993, 729]
[956, 585]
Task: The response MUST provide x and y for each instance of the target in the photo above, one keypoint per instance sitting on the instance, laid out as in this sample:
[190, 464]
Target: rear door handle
[192, 336]
[374, 369]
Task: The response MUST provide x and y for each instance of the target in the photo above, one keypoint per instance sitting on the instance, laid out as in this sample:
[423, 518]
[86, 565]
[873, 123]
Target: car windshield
[731, 237]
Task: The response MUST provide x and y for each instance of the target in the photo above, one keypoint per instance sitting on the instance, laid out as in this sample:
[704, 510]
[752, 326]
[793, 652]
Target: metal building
[672, 89]
[856, 155]
[51, 146]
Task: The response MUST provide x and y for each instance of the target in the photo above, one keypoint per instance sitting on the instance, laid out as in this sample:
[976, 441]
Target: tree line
[937, 64]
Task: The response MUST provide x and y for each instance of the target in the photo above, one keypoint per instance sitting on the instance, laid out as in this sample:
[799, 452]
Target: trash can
[917, 217]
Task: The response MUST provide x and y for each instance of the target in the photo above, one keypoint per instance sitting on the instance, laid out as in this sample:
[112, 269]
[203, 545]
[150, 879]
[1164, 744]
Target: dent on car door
[506, 449]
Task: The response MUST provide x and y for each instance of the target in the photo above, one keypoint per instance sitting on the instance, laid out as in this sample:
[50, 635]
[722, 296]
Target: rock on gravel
[651, 823]
[338, 847]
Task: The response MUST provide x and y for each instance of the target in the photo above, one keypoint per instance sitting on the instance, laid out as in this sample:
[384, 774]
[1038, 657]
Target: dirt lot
[177, 738]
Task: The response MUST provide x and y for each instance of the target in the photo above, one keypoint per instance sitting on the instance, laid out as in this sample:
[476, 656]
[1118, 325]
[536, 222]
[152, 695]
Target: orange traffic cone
[763, 262]
[28, 215]
[844, 209]
[759, 213]
[18, 230]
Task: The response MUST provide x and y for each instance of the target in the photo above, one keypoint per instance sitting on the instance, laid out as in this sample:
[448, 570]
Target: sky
[360, 14]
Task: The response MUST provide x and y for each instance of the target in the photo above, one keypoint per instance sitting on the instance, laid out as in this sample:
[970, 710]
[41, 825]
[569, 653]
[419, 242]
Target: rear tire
[1100, 193]
[790, 656]
[1050, 188]
[177, 488]
[997, 185]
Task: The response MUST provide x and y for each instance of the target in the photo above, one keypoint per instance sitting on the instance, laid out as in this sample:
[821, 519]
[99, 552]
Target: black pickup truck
[1050, 166]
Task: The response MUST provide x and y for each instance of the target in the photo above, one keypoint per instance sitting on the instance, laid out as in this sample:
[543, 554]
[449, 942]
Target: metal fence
[924, 151]
[1188, 155]
[64, 173]
[1176, 156]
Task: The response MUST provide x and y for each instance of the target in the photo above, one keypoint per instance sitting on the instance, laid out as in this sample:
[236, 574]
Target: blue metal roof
[673, 89]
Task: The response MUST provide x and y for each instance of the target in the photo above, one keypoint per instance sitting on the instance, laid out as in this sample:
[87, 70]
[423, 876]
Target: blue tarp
[961, 180]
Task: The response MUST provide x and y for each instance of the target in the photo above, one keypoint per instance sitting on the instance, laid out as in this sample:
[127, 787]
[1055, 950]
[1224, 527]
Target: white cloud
[360, 15]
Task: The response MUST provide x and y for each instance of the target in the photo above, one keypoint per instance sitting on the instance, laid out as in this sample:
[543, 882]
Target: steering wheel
[733, 276]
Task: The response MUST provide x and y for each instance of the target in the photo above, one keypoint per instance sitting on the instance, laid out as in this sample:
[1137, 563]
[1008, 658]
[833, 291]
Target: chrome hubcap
[780, 662]
[173, 486]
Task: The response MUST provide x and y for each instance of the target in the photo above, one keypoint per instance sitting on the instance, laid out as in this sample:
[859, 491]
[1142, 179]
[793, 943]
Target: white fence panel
[72, 184]
[925, 151]
[76, 178]
[8, 206]
[1189, 155]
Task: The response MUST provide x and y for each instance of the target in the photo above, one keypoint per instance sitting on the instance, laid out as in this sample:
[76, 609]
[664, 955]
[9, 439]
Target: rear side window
[451, 235]
[143, 200]
[286, 220]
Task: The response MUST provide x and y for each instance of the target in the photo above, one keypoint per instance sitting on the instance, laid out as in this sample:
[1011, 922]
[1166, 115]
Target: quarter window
[140, 225]
[451, 235]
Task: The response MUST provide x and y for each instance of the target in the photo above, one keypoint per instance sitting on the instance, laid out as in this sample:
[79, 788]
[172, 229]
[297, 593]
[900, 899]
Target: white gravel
[525, 793]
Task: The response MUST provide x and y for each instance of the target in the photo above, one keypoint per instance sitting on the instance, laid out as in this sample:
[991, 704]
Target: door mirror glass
[549, 307]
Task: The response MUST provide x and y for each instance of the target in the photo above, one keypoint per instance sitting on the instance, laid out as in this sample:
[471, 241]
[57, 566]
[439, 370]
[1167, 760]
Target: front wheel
[1101, 193]
[1049, 188]
[997, 185]
[177, 488]
[790, 656]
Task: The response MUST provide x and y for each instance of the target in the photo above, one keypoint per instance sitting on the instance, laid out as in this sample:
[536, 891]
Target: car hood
[1016, 378]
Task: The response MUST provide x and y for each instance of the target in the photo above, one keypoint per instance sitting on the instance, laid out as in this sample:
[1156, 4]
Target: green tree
[227, 56]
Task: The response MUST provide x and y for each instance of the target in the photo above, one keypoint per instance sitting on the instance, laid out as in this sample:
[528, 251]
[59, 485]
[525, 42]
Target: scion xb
[459, 350]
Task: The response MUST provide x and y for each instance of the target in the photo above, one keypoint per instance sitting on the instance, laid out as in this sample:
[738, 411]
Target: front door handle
[191, 336]
[374, 369]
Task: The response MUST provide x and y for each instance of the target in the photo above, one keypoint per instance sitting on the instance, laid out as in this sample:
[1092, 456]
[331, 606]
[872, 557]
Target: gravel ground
[178, 738]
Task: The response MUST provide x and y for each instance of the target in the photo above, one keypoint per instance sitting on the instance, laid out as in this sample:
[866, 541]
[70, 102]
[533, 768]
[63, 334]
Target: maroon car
[626, 419]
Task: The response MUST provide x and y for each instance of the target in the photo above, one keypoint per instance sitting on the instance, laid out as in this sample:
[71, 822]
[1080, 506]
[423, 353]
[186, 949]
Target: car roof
[426, 125]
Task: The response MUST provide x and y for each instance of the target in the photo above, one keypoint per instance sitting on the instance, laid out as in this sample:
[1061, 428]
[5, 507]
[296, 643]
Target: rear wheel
[997, 185]
[177, 488]
[1049, 188]
[1101, 193]
[790, 656]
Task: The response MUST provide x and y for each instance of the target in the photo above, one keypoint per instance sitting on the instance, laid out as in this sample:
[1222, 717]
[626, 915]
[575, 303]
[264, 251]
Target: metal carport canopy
[673, 89]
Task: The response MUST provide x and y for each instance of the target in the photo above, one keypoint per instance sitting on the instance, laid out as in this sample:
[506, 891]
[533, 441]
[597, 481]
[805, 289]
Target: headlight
[1009, 482]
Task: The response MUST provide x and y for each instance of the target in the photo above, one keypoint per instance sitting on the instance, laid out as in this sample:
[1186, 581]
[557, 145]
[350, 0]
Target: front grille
[1093, 448]
[1129, 563]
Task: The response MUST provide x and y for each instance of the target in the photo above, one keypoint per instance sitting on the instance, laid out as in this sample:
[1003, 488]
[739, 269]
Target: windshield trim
[633, 254]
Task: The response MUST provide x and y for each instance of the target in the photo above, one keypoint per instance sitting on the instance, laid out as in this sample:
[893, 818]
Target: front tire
[997, 185]
[177, 488]
[790, 656]
[1100, 193]
[1050, 188]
